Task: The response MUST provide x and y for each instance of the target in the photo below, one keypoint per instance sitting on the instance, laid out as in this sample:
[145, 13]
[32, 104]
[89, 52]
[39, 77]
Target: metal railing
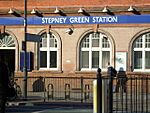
[134, 96]
[59, 88]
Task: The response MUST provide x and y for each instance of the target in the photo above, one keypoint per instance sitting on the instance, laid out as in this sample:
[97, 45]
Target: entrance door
[9, 56]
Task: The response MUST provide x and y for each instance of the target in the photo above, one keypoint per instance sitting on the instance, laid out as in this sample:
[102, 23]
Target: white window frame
[99, 49]
[7, 41]
[48, 49]
[143, 49]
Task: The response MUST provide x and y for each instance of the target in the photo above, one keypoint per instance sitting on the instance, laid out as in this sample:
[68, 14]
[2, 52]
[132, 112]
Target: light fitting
[33, 11]
[131, 9]
[69, 31]
[105, 10]
[36, 12]
[57, 10]
[11, 11]
[81, 10]
[14, 12]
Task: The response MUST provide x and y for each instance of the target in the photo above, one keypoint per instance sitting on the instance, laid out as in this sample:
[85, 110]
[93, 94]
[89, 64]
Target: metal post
[81, 89]
[44, 90]
[99, 91]
[110, 75]
[25, 51]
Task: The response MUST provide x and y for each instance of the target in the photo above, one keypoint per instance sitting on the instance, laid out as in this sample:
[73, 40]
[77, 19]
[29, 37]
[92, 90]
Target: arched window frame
[48, 49]
[103, 47]
[141, 45]
[7, 41]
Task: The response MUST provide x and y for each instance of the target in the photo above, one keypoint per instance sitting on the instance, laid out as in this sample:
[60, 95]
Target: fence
[59, 88]
[134, 96]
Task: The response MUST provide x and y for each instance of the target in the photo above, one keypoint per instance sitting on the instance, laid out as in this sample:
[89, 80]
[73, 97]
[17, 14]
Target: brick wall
[20, 3]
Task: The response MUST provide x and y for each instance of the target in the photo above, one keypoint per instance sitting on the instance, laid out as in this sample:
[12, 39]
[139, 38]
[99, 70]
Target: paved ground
[66, 111]
[46, 110]
[38, 106]
[53, 107]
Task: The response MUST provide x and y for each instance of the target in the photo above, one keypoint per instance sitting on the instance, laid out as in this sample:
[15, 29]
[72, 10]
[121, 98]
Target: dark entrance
[9, 56]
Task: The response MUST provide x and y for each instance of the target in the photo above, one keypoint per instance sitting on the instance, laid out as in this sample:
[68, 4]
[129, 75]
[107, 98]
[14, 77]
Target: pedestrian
[4, 83]
[121, 80]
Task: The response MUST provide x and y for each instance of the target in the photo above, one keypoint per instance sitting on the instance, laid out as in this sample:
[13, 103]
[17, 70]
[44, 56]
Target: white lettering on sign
[105, 19]
[54, 20]
[80, 20]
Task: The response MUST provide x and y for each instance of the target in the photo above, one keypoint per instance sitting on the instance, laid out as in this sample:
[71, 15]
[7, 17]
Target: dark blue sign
[11, 21]
[29, 61]
[118, 19]
[74, 20]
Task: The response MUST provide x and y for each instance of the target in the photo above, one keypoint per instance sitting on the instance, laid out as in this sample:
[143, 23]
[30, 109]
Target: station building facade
[76, 37]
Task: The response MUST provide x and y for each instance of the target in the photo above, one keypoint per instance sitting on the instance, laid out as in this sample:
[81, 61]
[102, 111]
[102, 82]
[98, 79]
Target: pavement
[36, 106]
[49, 103]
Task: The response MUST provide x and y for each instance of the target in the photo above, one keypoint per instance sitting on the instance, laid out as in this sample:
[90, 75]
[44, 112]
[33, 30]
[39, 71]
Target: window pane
[85, 42]
[85, 59]
[147, 59]
[105, 59]
[105, 43]
[43, 42]
[138, 43]
[138, 59]
[95, 59]
[147, 40]
[95, 39]
[53, 59]
[95, 43]
[43, 59]
[53, 41]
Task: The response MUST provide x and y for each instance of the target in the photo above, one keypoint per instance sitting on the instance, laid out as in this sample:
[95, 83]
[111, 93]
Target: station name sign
[117, 19]
[79, 20]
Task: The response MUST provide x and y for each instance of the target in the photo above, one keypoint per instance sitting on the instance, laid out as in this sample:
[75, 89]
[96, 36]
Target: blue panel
[117, 19]
[29, 61]
[11, 21]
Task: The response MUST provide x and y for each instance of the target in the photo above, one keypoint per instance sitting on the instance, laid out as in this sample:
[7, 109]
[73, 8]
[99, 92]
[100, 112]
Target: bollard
[97, 98]
[100, 95]
[86, 92]
[50, 91]
[67, 91]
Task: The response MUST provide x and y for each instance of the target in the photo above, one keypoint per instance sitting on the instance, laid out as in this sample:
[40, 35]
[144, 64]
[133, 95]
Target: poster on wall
[121, 61]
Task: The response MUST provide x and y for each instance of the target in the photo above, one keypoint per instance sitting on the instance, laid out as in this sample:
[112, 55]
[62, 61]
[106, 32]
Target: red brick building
[77, 36]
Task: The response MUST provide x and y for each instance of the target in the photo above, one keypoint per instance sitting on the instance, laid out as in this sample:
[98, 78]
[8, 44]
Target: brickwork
[20, 3]
[70, 48]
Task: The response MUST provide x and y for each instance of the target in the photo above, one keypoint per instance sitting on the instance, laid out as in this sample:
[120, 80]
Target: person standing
[121, 80]
[4, 83]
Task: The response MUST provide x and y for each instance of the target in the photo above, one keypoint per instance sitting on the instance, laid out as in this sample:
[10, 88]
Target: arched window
[94, 51]
[48, 51]
[141, 53]
[7, 41]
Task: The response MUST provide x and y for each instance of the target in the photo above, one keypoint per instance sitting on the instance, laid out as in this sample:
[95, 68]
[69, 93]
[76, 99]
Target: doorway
[9, 56]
